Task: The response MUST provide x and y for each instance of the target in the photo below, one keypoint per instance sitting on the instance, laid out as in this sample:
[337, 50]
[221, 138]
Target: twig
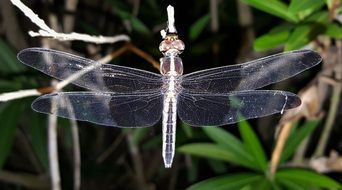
[69, 20]
[214, 23]
[333, 108]
[284, 134]
[53, 149]
[77, 154]
[46, 31]
[28, 180]
[137, 162]
[111, 149]
[144, 55]
[18, 94]
[10, 26]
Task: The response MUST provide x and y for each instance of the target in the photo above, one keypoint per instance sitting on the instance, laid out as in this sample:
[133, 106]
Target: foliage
[306, 19]
[248, 153]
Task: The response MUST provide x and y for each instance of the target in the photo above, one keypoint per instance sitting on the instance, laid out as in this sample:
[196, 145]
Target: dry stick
[333, 108]
[144, 55]
[110, 150]
[68, 22]
[46, 31]
[137, 161]
[284, 134]
[53, 149]
[214, 26]
[11, 27]
[25, 179]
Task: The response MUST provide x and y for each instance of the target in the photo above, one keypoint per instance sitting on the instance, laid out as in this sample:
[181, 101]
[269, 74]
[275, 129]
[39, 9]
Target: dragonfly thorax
[171, 65]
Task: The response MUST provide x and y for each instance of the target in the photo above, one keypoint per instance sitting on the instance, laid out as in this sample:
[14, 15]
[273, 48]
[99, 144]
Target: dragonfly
[121, 96]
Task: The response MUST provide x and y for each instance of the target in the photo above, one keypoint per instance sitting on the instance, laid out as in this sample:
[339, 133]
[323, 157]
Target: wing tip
[293, 101]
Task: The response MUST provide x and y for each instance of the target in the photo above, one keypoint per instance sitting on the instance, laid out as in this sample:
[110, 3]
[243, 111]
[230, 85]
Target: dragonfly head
[171, 44]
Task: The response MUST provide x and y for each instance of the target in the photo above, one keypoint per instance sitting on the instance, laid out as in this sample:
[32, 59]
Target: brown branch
[28, 180]
[276, 155]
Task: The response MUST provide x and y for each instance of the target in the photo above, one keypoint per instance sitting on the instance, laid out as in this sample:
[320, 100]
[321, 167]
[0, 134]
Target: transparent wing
[202, 109]
[119, 110]
[251, 75]
[104, 77]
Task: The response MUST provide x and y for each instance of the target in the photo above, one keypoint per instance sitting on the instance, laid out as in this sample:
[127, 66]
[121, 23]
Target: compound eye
[165, 45]
[178, 45]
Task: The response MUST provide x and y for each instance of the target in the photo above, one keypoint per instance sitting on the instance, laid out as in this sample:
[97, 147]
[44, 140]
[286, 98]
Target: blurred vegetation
[232, 157]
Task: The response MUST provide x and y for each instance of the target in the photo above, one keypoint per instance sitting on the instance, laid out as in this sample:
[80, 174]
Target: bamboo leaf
[253, 145]
[230, 143]
[9, 117]
[236, 181]
[296, 138]
[334, 31]
[307, 178]
[213, 151]
[37, 130]
[277, 36]
[304, 5]
[197, 27]
[306, 32]
[273, 7]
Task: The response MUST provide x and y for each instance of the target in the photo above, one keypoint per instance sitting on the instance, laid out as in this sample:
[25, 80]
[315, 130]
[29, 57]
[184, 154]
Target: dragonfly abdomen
[169, 130]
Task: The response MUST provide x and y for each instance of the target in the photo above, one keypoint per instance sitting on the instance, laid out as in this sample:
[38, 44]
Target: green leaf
[273, 7]
[197, 27]
[262, 184]
[307, 178]
[296, 138]
[38, 132]
[139, 26]
[334, 31]
[138, 134]
[230, 143]
[8, 59]
[329, 3]
[277, 36]
[9, 117]
[253, 145]
[288, 184]
[236, 181]
[299, 6]
[213, 151]
[305, 33]
[187, 129]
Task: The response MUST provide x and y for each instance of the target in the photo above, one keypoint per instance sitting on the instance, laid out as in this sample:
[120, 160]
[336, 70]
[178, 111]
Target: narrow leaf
[296, 138]
[277, 36]
[37, 130]
[236, 181]
[197, 27]
[230, 143]
[187, 129]
[253, 145]
[273, 7]
[307, 178]
[139, 26]
[334, 31]
[304, 5]
[8, 59]
[305, 33]
[9, 117]
[288, 184]
[213, 151]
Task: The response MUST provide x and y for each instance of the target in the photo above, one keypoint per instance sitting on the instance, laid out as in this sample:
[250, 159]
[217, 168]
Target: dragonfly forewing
[118, 110]
[100, 77]
[251, 75]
